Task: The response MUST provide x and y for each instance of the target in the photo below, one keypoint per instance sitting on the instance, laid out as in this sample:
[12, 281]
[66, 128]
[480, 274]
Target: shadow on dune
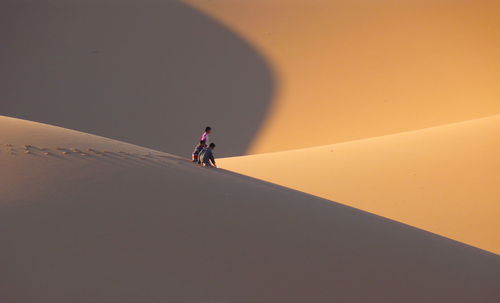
[120, 229]
[152, 73]
[142, 235]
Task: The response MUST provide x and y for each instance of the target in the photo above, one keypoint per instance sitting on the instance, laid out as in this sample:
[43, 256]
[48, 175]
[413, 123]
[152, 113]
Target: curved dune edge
[350, 70]
[84, 226]
[153, 73]
[442, 179]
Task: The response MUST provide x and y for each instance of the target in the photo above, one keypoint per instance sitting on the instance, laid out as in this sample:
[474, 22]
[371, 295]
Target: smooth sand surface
[443, 179]
[148, 72]
[353, 69]
[268, 76]
[116, 228]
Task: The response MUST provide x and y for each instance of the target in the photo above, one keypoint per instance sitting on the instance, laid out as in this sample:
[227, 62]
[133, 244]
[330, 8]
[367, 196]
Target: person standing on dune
[204, 136]
[207, 156]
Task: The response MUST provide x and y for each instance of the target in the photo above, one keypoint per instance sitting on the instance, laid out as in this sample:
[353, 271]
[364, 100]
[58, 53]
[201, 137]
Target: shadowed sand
[153, 73]
[91, 230]
[442, 179]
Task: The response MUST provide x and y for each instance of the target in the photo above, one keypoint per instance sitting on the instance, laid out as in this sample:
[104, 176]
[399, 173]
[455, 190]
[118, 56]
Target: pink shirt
[205, 137]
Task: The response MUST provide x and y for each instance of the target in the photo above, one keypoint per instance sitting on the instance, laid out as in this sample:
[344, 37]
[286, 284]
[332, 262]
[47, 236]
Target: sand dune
[443, 179]
[148, 72]
[349, 70]
[84, 227]
[267, 76]
[85, 218]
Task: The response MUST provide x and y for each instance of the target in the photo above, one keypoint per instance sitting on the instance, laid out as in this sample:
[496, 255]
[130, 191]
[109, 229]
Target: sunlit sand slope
[444, 179]
[84, 227]
[356, 69]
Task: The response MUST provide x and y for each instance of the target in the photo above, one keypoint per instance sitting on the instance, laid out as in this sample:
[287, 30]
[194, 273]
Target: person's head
[202, 142]
[212, 145]
[208, 129]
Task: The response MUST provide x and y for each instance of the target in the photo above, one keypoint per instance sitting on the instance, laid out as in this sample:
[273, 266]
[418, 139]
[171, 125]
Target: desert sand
[442, 179]
[382, 118]
[348, 70]
[148, 72]
[268, 76]
[116, 228]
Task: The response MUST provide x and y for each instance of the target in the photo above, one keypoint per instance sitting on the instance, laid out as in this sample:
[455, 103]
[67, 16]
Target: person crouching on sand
[197, 149]
[204, 136]
[207, 156]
